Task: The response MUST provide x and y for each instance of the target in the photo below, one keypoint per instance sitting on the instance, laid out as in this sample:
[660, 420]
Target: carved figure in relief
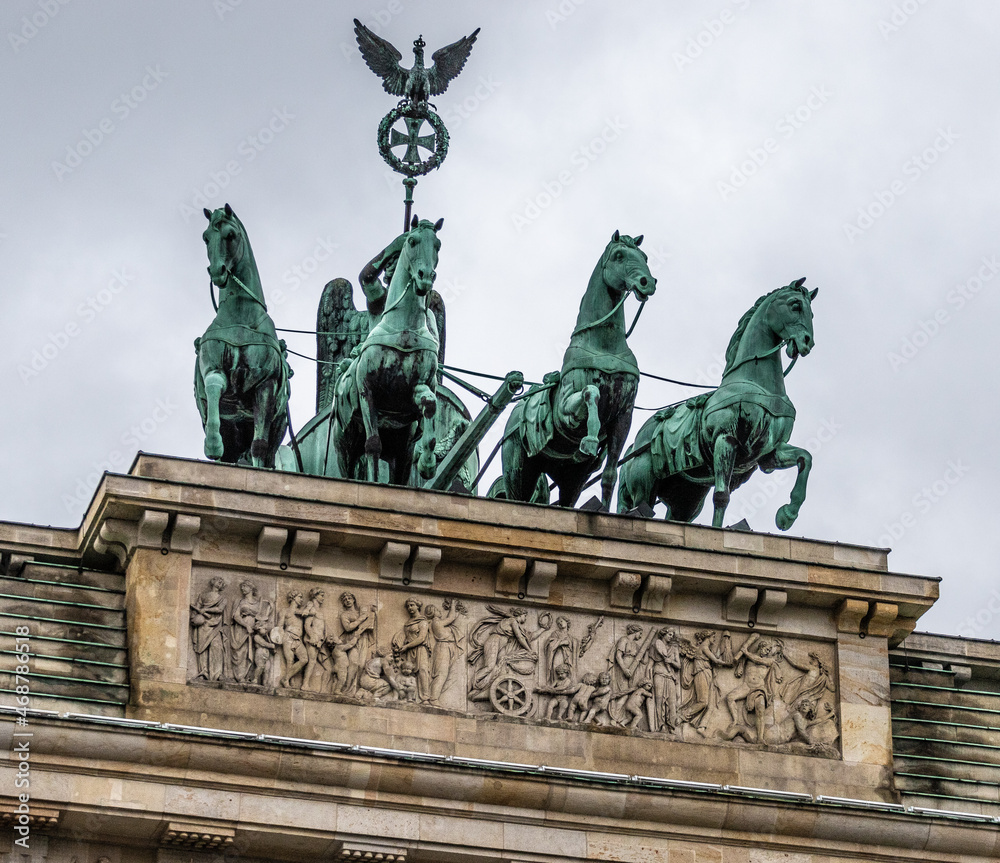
[446, 648]
[378, 679]
[625, 660]
[407, 682]
[314, 639]
[581, 699]
[263, 653]
[501, 644]
[208, 619]
[361, 624]
[814, 683]
[290, 631]
[561, 691]
[639, 705]
[757, 667]
[560, 648]
[666, 654]
[249, 611]
[699, 675]
[412, 645]
[600, 702]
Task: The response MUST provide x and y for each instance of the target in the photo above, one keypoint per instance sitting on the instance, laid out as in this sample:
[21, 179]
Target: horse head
[625, 269]
[790, 317]
[419, 256]
[226, 242]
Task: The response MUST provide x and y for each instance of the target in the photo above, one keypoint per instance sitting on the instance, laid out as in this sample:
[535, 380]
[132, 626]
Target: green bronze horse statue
[384, 398]
[241, 375]
[719, 438]
[565, 430]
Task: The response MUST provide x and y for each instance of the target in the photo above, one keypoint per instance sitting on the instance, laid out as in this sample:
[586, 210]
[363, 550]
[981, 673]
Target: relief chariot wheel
[510, 696]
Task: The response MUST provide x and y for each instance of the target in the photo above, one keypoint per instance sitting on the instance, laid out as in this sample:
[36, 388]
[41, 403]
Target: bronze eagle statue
[418, 84]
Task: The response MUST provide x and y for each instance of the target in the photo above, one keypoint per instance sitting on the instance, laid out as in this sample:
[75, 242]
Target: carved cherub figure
[585, 690]
[562, 690]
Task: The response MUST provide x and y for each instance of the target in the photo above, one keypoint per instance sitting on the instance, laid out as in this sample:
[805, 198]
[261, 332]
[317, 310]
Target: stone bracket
[655, 592]
[770, 605]
[882, 619]
[304, 546]
[392, 561]
[40, 817]
[270, 545]
[510, 572]
[120, 538]
[183, 535]
[739, 604]
[425, 561]
[623, 589]
[850, 613]
[541, 574]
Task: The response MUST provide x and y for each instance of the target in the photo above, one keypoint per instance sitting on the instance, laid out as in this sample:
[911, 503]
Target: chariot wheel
[510, 696]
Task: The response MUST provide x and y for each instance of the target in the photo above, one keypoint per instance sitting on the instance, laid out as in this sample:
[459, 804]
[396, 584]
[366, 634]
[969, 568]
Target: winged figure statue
[418, 84]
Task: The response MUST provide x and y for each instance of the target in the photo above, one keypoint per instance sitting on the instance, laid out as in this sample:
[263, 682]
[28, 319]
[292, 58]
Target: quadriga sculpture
[566, 430]
[719, 438]
[241, 376]
[384, 404]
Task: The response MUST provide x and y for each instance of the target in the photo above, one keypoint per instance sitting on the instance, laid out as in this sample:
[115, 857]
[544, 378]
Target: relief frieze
[588, 671]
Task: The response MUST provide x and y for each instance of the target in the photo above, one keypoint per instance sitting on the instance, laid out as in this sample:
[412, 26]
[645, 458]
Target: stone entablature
[733, 637]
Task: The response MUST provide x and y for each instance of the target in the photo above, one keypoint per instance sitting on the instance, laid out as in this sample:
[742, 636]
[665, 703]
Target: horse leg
[784, 456]
[263, 404]
[636, 483]
[520, 474]
[724, 460]
[215, 386]
[426, 402]
[373, 443]
[616, 440]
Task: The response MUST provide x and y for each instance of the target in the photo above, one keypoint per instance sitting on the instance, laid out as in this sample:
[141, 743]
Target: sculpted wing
[383, 59]
[340, 329]
[448, 62]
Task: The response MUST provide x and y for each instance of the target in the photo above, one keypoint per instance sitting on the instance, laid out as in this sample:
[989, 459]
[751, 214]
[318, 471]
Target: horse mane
[253, 260]
[734, 342]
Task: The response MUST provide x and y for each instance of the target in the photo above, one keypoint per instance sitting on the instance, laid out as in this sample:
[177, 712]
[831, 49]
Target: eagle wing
[340, 328]
[383, 59]
[448, 62]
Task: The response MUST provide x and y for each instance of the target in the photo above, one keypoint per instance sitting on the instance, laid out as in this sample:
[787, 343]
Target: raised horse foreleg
[724, 460]
[583, 404]
[426, 402]
[215, 386]
[784, 456]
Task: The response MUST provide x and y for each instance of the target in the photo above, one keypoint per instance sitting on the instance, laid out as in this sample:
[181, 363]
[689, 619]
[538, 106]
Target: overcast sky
[753, 143]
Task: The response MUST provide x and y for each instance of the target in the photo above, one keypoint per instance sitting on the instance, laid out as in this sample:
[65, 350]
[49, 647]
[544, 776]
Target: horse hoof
[214, 447]
[785, 517]
[427, 465]
[589, 445]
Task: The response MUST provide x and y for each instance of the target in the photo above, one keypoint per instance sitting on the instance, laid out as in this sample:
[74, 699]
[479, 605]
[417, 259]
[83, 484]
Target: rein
[232, 275]
[642, 303]
[764, 356]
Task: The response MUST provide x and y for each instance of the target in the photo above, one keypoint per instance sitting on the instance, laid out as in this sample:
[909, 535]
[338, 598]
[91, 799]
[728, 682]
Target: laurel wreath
[419, 112]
